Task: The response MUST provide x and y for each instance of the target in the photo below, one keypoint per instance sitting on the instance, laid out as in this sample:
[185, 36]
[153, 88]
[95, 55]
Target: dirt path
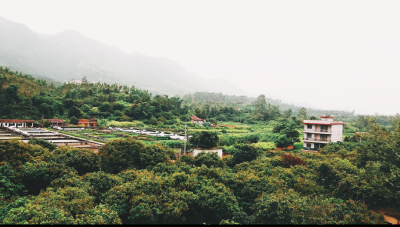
[391, 219]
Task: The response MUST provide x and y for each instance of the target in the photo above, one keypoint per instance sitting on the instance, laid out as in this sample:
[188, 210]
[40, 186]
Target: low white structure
[197, 151]
[15, 123]
[318, 133]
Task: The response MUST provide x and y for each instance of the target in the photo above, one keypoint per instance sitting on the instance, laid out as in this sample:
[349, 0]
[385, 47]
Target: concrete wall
[305, 144]
[20, 125]
[337, 133]
[218, 151]
[327, 119]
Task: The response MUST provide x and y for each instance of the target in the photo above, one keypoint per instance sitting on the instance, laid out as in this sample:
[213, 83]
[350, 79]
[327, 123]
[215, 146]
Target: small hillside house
[56, 122]
[88, 122]
[197, 120]
[318, 133]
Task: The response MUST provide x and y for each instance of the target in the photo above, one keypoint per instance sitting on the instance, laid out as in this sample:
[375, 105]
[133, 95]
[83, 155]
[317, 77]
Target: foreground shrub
[245, 153]
[100, 183]
[10, 185]
[69, 205]
[210, 159]
[290, 208]
[82, 160]
[37, 176]
[42, 143]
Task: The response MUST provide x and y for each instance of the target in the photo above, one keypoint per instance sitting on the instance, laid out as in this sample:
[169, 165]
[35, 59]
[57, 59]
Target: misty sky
[329, 54]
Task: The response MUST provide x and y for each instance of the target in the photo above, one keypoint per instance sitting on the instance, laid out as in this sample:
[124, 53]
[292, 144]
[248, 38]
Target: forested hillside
[26, 97]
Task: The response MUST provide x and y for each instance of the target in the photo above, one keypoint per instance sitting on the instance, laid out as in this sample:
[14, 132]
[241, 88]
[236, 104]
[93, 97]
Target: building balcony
[323, 131]
[322, 140]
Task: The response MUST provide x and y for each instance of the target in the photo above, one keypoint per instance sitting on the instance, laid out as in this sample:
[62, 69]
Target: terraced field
[101, 136]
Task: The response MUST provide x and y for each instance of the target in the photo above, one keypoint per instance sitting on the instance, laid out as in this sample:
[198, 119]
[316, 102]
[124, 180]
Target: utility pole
[184, 149]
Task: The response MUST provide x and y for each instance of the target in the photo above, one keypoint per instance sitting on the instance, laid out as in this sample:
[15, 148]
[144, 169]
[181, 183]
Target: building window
[309, 126]
[309, 145]
[324, 128]
[309, 135]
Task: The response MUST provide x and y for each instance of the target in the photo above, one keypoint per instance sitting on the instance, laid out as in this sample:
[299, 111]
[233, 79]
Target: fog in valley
[341, 55]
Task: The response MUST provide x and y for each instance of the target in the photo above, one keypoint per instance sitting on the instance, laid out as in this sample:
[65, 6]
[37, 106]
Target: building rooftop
[194, 118]
[56, 121]
[87, 120]
[15, 121]
[326, 117]
[322, 122]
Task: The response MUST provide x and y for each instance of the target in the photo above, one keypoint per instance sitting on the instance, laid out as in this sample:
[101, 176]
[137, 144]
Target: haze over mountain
[70, 55]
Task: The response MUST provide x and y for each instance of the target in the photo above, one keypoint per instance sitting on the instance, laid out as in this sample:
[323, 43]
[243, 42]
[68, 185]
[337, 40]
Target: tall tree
[302, 113]
[260, 104]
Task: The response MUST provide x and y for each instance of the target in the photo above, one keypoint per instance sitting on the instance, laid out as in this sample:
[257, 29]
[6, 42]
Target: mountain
[70, 55]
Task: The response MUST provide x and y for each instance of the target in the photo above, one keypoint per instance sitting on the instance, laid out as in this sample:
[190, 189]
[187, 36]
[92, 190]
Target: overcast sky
[329, 54]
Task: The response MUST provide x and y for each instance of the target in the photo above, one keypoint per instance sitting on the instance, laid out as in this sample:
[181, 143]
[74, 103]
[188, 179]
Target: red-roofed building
[197, 120]
[56, 122]
[15, 123]
[87, 122]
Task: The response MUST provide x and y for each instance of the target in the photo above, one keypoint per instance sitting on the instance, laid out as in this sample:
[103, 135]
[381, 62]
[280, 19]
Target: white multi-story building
[318, 133]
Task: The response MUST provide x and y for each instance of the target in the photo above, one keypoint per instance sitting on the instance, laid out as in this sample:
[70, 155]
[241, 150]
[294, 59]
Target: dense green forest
[129, 182]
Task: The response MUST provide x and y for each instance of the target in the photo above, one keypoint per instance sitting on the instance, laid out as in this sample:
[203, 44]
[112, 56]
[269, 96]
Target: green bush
[245, 153]
[138, 124]
[228, 150]
[125, 118]
[205, 139]
[272, 137]
[42, 143]
[82, 160]
[73, 120]
[173, 143]
[282, 141]
[46, 123]
[10, 185]
[265, 145]
[210, 159]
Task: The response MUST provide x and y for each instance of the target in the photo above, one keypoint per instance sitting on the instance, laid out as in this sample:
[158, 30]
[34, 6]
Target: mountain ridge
[69, 55]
